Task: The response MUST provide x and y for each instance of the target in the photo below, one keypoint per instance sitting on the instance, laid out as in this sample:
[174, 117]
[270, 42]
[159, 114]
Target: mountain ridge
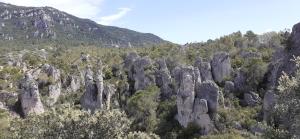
[44, 24]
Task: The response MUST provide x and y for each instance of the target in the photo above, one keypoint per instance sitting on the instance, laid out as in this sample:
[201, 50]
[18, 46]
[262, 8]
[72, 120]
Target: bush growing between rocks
[142, 108]
[287, 109]
[67, 122]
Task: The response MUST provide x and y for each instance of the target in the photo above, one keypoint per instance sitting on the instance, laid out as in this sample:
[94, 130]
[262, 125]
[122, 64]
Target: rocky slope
[46, 24]
[224, 92]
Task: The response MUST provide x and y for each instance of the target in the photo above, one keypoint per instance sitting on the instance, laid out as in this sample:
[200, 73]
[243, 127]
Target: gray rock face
[204, 68]
[251, 99]
[281, 60]
[186, 96]
[75, 83]
[221, 66]
[229, 88]
[129, 60]
[137, 67]
[191, 107]
[163, 79]
[96, 95]
[201, 118]
[100, 87]
[240, 81]
[30, 97]
[141, 78]
[269, 102]
[108, 91]
[90, 99]
[55, 86]
[209, 91]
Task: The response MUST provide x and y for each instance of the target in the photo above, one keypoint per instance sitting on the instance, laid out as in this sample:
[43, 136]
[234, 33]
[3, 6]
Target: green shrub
[67, 122]
[142, 108]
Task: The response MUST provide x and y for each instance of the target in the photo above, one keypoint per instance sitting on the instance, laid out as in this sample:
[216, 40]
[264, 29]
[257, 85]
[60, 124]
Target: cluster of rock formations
[198, 88]
[97, 95]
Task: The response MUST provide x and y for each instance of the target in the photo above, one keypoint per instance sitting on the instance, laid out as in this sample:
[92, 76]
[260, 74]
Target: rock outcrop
[229, 88]
[195, 100]
[281, 60]
[30, 97]
[55, 84]
[201, 117]
[204, 68]
[221, 66]
[251, 99]
[163, 79]
[90, 100]
[186, 96]
[137, 69]
[108, 92]
[96, 95]
[209, 91]
[142, 79]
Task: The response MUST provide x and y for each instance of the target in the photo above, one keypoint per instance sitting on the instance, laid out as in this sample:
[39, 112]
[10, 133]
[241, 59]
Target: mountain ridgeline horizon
[36, 25]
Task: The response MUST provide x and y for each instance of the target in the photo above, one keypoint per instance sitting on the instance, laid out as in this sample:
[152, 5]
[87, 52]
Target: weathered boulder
[251, 99]
[269, 102]
[97, 94]
[191, 107]
[99, 85]
[142, 79]
[129, 60]
[185, 95]
[281, 60]
[221, 66]
[30, 97]
[201, 118]
[163, 79]
[229, 88]
[209, 91]
[204, 68]
[55, 85]
[90, 99]
[74, 83]
[240, 83]
[108, 91]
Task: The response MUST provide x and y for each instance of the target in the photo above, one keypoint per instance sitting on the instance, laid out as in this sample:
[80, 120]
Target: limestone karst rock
[137, 69]
[90, 99]
[221, 66]
[74, 83]
[142, 79]
[100, 85]
[209, 91]
[191, 107]
[251, 99]
[269, 102]
[163, 79]
[229, 88]
[204, 68]
[30, 97]
[281, 60]
[108, 91]
[240, 81]
[55, 84]
[201, 117]
[97, 95]
[186, 96]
